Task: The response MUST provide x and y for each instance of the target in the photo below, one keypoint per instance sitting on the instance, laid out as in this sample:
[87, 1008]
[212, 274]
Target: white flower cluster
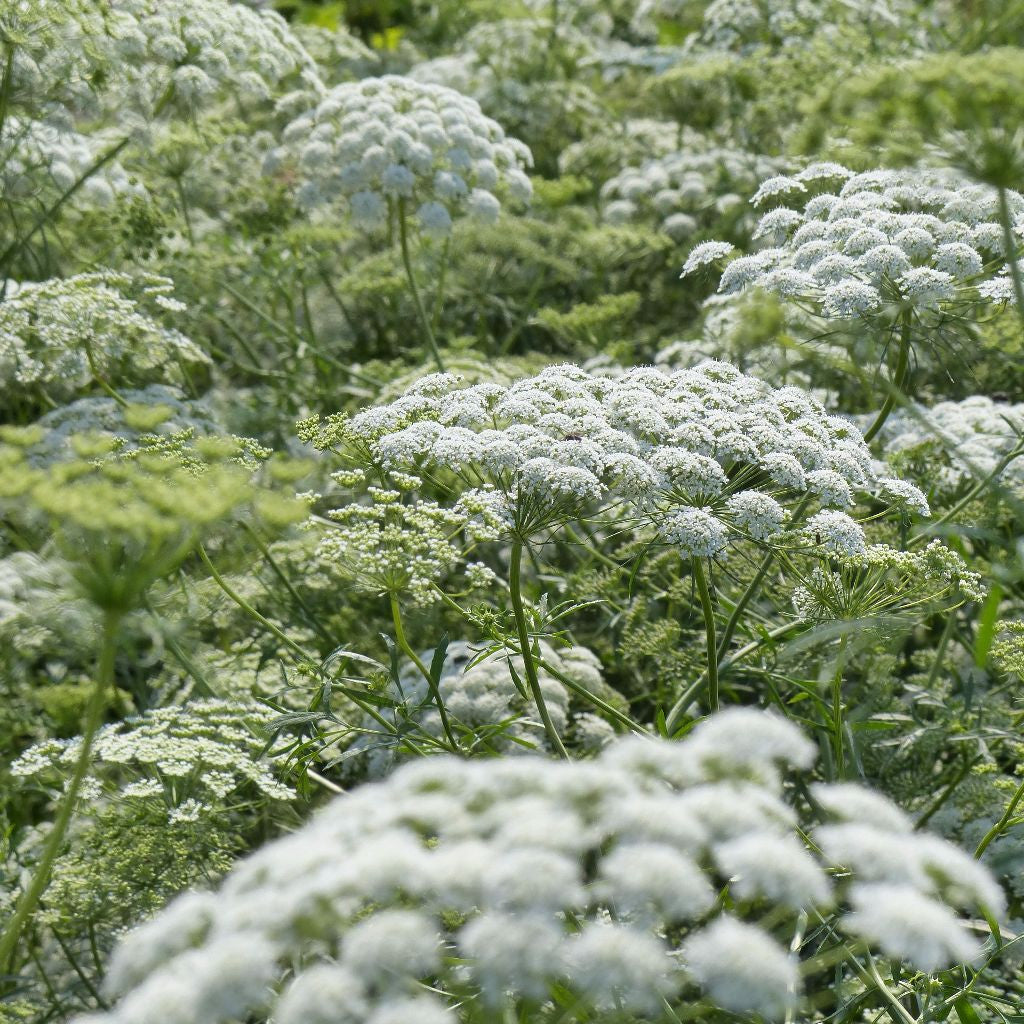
[709, 453]
[393, 547]
[963, 441]
[685, 190]
[197, 51]
[484, 701]
[58, 336]
[620, 145]
[392, 141]
[598, 877]
[191, 757]
[916, 238]
[884, 580]
[150, 54]
[746, 26]
[38, 154]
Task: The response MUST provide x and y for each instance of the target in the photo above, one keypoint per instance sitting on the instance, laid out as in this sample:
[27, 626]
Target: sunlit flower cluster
[191, 758]
[392, 546]
[519, 70]
[918, 239]
[596, 878]
[394, 144]
[883, 582]
[710, 454]
[745, 26]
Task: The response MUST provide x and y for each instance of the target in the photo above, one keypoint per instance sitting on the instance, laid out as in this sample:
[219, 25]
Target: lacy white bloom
[674, 445]
[743, 968]
[59, 336]
[919, 238]
[498, 879]
[209, 746]
[382, 142]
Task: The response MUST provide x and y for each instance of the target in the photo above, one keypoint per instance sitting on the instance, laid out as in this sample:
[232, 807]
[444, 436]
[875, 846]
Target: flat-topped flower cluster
[709, 454]
[154, 54]
[521, 885]
[192, 758]
[381, 143]
[917, 239]
[61, 336]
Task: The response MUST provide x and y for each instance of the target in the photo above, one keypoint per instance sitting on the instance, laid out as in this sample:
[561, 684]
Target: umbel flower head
[918, 240]
[209, 748]
[390, 546]
[152, 54]
[457, 888]
[123, 522]
[63, 336]
[960, 441]
[709, 454]
[392, 142]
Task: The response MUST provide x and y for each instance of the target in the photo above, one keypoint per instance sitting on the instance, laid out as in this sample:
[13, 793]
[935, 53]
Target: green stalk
[248, 608]
[435, 693]
[428, 332]
[899, 377]
[997, 829]
[709, 631]
[1011, 251]
[93, 718]
[514, 585]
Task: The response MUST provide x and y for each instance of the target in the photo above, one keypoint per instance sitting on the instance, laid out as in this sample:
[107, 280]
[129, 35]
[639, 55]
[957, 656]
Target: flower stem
[1011, 251]
[514, 584]
[93, 718]
[997, 829]
[428, 331]
[707, 606]
[899, 378]
[435, 693]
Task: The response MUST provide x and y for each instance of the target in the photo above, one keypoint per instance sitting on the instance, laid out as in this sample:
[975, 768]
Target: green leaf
[987, 625]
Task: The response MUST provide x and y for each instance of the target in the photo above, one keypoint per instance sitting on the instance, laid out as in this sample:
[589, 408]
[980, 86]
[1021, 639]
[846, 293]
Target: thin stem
[435, 693]
[93, 718]
[428, 332]
[997, 829]
[672, 720]
[838, 744]
[755, 583]
[248, 608]
[435, 318]
[899, 378]
[1011, 251]
[47, 215]
[514, 584]
[709, 632]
